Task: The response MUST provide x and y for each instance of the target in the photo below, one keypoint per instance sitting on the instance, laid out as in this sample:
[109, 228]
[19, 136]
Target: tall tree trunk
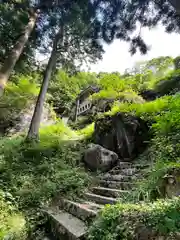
[15, 53]
[176, 5]
[33, 133]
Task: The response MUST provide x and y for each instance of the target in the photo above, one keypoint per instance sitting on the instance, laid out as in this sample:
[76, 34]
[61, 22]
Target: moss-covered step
[109, 192]
[124, 171]
[83, 211]
[123, 165]
[118, 177]
[65, 226]
[100, 199]
[117, 185]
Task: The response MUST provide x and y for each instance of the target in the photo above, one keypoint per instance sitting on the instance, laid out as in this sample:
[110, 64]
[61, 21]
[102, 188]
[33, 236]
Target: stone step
[83, 211]
[118, 177]
[125, 171]
[100, 199]
[109, 192]
[66, 226]
[95, 206]
[117, 185]
[124, 165]
[141, 166]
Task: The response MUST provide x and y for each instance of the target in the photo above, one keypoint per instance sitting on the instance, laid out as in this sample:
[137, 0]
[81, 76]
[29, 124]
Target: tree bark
[33, 133]
[16, 51]
[176, 5]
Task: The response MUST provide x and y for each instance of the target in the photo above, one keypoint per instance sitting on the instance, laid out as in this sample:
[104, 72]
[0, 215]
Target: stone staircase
[69, 220]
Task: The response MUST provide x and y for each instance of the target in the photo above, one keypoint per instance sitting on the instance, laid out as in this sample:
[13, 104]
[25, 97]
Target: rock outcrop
[23, 120]
[123, 134]
[99, 158]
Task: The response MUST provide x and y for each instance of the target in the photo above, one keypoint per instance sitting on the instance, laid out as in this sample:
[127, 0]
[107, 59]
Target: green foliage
[48, 163]
[176, 63]
[82, 122]
[34, 173]
[87, 132]
[167, 123]
[115, 88]
[170, 84]
[160, 66]
[18, 96]
[124, 88]
[146, 75]
[64, 89]
[12, 222]
[55, 133]
[12, 23]
[147, 110]
[124, 221]
[165, 147]
[161, 218]
[112, 81]
[154, 186]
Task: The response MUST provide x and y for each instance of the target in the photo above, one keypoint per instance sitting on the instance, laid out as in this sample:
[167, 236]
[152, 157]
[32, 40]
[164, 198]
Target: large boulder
[98, 158]
[123, 134]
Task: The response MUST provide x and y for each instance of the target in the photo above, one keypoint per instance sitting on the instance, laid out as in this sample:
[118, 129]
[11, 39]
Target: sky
[118, 58]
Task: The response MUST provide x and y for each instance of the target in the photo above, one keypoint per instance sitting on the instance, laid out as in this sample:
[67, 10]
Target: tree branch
[175, 4]
[25, 6]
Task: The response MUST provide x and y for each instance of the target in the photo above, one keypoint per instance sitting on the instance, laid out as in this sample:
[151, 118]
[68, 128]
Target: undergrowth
[138, 221]
[34, 173]
[164, 151]
[12, 222]
[162, 217]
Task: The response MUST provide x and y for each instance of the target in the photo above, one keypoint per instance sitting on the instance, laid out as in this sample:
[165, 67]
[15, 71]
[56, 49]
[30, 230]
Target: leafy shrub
[170, 84]
[147, 110]
[167, 123]
[56, 133]
[34, 173]
[82, 122]
[126, 221]
[154, 186]
[125, 96]
[87, 132]
[12, 223]
[116, 87]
